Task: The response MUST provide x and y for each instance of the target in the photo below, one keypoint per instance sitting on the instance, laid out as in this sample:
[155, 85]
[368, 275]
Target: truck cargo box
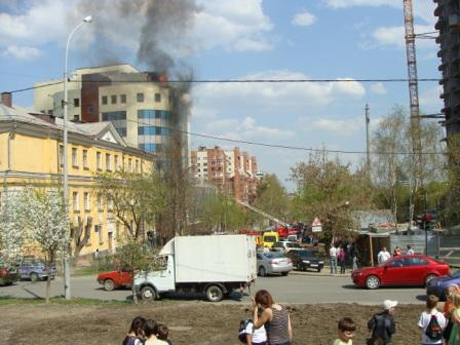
[214, 258]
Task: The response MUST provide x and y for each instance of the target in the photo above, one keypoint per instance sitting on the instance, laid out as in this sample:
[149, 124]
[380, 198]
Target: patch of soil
[189, 323]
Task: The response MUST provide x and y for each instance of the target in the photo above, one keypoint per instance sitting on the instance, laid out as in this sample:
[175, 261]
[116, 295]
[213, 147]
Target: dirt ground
[189, 323]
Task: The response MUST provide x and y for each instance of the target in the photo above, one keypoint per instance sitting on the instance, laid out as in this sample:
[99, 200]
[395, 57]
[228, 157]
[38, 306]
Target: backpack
[242, 330]
[434, 330]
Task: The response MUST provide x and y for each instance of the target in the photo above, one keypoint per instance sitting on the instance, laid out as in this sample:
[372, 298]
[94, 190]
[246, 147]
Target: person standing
[333, 258]
[454, 338]
[428, 318]
[274, 317]
[347, 328]
[409, 251]
[383, 256]
[341, 257]
[382, 325]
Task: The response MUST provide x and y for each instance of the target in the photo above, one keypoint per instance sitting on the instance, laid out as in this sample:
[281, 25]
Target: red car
[409, 270]
[115, 279]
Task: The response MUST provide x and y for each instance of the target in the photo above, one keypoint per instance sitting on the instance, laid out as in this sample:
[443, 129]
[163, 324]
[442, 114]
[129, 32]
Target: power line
[234, 81]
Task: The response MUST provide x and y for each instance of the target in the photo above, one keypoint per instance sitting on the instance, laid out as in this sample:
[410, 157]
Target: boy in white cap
[382, 325]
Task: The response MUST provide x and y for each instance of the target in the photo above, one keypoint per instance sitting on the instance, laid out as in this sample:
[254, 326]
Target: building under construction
[448, 12]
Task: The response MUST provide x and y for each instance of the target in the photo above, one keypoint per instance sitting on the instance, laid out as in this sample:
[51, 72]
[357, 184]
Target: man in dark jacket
[382, 324]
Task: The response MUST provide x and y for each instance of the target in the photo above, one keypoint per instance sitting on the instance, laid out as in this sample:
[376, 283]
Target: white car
[286, 246]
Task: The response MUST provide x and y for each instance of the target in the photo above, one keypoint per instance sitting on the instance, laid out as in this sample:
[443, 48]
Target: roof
[104, 131]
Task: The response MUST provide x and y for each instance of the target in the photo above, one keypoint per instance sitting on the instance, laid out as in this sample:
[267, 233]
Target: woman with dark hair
[274, 317]
[136, 333]
[151, 333]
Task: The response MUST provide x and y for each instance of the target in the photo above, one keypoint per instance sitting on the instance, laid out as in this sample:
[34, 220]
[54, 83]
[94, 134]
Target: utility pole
[414, 103]
[368, 156]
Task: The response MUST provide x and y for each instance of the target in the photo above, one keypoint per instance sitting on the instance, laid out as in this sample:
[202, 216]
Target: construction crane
[414, 103]
[262, 213]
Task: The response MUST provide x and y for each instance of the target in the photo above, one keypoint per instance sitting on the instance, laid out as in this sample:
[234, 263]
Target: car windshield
[270, 239]
[293, 245]
[456, 274]
[274, 255]
[306, 253]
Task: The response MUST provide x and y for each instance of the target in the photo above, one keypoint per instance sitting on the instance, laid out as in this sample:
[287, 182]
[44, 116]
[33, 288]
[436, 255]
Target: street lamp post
[67, 291]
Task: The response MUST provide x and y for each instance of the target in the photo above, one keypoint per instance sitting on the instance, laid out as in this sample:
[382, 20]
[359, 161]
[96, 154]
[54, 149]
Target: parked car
[437, 286]
[286, 246]
[33, 269]
[305, 259]
[8, 276]
[115, 279]
[409, 270]
[273, 262]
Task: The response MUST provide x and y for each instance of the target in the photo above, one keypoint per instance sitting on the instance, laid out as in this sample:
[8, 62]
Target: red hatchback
[115, 279]
[408, 270]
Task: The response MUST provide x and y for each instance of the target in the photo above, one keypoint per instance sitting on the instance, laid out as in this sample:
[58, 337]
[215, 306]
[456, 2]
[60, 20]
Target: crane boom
[262, 213]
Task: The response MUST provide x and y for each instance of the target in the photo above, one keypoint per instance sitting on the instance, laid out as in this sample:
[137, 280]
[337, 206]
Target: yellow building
[31, 152]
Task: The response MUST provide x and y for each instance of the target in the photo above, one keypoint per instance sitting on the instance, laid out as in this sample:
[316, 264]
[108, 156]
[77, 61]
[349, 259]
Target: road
[295, 288]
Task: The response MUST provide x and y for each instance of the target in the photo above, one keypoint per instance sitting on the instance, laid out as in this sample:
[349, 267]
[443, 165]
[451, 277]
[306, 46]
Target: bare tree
[80, 234]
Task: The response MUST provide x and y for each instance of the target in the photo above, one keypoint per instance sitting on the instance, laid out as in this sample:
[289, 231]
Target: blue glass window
[114, 116]
[148, 147]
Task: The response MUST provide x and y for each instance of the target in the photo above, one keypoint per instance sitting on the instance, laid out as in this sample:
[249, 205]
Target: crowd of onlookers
[271, 324]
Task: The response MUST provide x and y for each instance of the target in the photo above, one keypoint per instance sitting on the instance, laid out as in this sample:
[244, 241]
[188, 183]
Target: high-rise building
[448, 13]
[137, 103]
[231, 171]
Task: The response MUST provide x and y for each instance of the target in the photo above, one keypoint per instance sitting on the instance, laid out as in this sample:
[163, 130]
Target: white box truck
[214, 265]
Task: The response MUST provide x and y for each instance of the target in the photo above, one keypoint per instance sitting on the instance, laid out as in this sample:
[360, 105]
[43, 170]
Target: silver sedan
[273, 262]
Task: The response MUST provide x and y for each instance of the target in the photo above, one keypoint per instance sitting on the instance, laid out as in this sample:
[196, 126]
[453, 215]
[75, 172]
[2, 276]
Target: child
[163, 333]
[256, 336]
[425, 319]
[135, 334]
[346, 328]
[382, 325]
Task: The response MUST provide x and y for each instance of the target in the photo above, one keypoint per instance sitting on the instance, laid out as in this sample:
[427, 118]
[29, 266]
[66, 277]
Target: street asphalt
[297, 287]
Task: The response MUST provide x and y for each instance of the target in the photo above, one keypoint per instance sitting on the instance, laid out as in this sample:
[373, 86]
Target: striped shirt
[277, 328]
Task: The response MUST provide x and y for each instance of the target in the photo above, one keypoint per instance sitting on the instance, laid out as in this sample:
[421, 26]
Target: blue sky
[240, 39]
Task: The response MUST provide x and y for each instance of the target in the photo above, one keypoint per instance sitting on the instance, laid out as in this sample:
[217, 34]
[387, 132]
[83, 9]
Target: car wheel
[33, 277]
[284, 273]
[214, 293]
[372, 282]
[109, 285]
[318, 270]
[429, 277]
[148, 293]
[262, 271]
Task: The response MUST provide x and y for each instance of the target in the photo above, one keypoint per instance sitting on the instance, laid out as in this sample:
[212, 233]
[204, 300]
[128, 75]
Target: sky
[240, 40]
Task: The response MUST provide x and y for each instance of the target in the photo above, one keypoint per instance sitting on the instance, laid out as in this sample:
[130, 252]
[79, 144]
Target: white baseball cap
[388, 304]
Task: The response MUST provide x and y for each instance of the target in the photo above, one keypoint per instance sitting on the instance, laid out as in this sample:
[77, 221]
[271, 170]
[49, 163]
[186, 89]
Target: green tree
[331, 191]
[272, 198]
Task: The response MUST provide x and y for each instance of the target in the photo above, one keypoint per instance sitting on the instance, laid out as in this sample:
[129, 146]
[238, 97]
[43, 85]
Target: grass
[8, 301]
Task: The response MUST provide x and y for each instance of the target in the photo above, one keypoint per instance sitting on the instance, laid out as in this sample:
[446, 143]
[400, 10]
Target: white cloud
[394, 35]
[430, 99]
[422, 9]
[339, 127]
[22, 53]
[378, 89]
[248, 129]
[304, 18]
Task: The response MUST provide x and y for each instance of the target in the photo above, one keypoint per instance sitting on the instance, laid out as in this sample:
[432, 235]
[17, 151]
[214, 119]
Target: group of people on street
[384, 255]
[147, 332]
[339, 255]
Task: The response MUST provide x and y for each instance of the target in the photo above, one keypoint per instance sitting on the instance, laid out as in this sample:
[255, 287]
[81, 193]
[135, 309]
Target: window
[110, 205]
[74, 157]
[137, 166]
[50, 112]
[140, 97]
[113, 99]
[87, 201]
[76, 118]
[130, 161]
[99, 160]
[115, 163]
[76, 205]
[76, 102]
[98, 229]
[104, 100]
[114, 116]
[100, 205]
[85, 159]
[158, 97]
[122, 98]
[90, 110]
[61, 155]
[107, 162]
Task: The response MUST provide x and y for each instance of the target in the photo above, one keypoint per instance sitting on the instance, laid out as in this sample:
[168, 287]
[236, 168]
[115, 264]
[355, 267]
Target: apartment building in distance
[31, 152]
[448, 24]
[138, 104]
[232, 171]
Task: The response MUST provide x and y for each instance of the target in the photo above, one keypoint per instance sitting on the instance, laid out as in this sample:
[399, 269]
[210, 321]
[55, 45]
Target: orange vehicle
[257, 235]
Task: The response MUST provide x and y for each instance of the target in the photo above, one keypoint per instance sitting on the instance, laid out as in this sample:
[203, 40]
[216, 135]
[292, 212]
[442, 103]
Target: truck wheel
[214, 293]
[284, 273]
[148, 293]
[109, 285]
[33, 277]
